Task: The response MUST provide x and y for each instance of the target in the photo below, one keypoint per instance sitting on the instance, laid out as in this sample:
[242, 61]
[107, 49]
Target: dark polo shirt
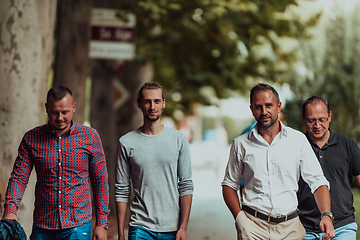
[340, 161]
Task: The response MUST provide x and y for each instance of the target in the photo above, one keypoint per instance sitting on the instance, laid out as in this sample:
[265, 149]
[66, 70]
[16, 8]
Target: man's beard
[268, 124]
[154, 118]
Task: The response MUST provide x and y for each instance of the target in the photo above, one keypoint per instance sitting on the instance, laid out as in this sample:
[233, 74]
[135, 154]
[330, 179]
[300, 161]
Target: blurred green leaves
[227, 45]
[331, 70]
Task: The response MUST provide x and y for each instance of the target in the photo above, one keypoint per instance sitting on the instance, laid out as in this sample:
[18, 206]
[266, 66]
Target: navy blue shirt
[340, 161]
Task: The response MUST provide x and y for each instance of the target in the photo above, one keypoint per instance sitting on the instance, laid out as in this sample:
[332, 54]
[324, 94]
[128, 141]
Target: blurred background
[206, 54]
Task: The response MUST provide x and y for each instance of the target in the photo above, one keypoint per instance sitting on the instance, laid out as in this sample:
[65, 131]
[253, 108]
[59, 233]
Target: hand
[100, 233]
[181, 234]
[327, 227]
[10, 216]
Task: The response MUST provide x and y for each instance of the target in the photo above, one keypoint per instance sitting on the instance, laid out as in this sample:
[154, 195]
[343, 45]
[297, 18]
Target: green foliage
[334, 76]
[216, 43]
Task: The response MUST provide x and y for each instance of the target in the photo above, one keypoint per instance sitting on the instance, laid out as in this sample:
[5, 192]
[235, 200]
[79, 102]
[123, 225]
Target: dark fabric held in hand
[11, 230]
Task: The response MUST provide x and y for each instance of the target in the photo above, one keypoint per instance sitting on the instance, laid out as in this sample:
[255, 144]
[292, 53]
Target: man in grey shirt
[157, 161]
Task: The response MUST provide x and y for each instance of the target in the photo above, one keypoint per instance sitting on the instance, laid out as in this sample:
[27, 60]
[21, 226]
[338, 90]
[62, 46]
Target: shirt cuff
[102, 220]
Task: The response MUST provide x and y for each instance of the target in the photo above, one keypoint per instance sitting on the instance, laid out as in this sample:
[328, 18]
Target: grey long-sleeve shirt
[159, 167]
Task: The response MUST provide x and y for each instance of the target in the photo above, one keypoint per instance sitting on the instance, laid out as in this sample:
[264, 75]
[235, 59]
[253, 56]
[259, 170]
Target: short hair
[149, 86]
[312, 100]
[58, 92]
[261, 87]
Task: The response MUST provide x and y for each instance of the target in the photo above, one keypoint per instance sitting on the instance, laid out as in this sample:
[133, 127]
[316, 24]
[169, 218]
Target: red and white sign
[112, 38]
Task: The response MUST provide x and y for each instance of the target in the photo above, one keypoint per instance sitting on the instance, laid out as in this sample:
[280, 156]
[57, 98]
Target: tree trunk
[110, 119]
[26, 43]
[71, 66]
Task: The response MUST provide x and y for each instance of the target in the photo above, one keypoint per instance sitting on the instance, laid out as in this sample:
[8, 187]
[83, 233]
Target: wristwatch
[329, 214]
[105, 226]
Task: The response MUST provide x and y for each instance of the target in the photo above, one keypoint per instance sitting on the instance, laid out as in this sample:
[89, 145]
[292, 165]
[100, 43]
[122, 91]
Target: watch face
[329, 214]
[106, 226]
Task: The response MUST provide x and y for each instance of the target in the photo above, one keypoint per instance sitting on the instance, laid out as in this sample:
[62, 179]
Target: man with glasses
[339, 157]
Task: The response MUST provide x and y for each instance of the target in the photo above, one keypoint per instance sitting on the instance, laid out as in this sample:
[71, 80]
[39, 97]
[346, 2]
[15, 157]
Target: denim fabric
[347, 232]
[140, 233]
[82, 232]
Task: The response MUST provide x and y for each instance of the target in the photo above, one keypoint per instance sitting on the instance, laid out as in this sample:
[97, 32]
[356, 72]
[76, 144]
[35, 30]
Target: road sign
[111, 38]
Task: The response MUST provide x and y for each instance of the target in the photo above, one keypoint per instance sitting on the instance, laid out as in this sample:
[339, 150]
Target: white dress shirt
[272, 172]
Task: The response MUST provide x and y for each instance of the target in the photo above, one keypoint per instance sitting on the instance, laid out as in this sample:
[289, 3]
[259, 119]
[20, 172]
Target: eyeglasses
[321, 121]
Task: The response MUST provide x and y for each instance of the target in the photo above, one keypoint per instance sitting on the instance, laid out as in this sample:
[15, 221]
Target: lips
[265, 118]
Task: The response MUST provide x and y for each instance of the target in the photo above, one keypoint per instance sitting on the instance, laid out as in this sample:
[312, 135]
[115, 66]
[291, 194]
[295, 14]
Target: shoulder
[39, 130]
[243, 137]
[130, 136]
[343, 140]
[84, 129]
[291, 132]
[174, 133]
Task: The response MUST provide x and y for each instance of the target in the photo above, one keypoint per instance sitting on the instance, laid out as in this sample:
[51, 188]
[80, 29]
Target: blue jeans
[82, 232]
[140, 233]
[347, 232]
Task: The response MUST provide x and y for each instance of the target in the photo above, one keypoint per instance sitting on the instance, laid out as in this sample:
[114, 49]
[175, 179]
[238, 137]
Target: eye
[322, 120]
[311, 121]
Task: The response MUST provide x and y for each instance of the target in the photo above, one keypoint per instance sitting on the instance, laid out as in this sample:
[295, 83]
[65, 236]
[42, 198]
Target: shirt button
[59, 206]
[59, 192]
[59, 150]
[60, 178]
[59, 137]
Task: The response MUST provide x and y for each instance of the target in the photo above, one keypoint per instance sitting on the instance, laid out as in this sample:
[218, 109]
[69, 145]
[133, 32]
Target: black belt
[269, 218]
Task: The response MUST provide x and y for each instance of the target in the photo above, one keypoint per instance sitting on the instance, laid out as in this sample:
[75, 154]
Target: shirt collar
[255, 132]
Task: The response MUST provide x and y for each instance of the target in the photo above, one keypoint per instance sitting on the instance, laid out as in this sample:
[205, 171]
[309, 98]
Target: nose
[263, 110]
[152, 104]
[317, 123]
[59, 116]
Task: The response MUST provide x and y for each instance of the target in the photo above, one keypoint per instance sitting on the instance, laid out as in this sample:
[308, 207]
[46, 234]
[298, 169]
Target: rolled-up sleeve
[311, 170]
[233, 170]
[122, 175]
[185, 184]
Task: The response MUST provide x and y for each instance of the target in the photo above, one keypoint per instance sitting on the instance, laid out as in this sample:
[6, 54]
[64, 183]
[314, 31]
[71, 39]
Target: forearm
[185, 208]
[99, 181]
[101, 202]
[322, 198]
[121, 208]
[231, 199]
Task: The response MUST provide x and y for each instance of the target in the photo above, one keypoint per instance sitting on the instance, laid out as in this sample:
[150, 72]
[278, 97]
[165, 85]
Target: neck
[152, 128]
[268, 134]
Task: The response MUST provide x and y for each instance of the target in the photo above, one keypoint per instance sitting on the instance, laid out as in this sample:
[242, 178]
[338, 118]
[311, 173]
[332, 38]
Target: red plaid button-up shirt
[63, 166]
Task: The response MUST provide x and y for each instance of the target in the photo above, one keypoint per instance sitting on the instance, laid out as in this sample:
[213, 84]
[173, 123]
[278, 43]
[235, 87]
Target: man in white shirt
[271, 157]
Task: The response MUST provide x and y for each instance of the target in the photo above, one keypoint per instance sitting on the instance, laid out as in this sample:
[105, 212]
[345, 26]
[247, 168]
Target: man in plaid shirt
[65, 155]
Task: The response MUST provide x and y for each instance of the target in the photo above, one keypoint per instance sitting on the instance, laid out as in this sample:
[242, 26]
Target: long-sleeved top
[272, 171]
[63, 165]
[160, 169]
